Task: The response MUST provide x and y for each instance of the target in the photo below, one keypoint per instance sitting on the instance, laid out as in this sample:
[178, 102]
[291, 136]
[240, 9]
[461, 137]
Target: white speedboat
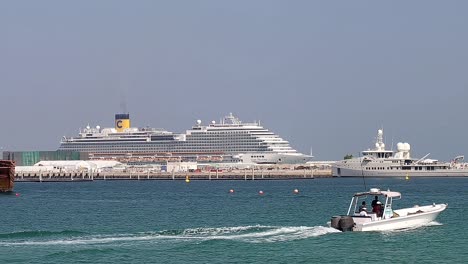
[383, 217]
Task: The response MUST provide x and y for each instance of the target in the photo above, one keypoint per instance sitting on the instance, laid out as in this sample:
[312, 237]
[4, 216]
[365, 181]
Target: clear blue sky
[325, 74]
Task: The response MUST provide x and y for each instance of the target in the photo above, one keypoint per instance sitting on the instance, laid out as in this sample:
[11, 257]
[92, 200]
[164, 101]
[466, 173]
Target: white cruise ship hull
[229, 141]
[274, 158]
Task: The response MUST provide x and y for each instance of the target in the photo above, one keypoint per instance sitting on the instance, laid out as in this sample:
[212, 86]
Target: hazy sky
[321, 74]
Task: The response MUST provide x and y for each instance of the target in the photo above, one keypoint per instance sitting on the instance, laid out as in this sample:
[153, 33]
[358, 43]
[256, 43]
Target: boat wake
[255, 234]
[39, 234]
[248, 234]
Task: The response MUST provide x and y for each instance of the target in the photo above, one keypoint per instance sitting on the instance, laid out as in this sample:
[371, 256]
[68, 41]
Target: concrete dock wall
[211, 175]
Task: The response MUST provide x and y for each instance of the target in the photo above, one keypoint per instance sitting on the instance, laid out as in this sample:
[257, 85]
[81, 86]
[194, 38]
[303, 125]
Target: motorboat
[383, 216]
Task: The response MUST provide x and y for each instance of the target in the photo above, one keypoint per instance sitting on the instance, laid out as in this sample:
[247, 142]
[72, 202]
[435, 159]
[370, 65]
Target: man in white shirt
[363, 209]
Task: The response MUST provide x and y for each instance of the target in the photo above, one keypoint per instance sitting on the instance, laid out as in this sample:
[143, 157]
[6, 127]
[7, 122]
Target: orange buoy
[17, 194]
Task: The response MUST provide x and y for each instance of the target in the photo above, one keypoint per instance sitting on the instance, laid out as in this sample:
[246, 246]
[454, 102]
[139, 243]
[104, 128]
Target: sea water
[203, 222]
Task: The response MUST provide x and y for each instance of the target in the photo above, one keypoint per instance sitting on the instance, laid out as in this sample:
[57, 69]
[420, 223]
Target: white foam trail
[221, 230]
[279, 234]
[250, 234]
[78, 241]
[261, 233]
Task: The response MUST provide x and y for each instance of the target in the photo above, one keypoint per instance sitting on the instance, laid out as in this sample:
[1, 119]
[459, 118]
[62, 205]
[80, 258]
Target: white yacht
[383, 216]
[380, 162]
[230, 140]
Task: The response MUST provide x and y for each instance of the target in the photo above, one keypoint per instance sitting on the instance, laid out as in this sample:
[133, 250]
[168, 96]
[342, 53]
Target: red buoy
[231, 191]
[260, 192]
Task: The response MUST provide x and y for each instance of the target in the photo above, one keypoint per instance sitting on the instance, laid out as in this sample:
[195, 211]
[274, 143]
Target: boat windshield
[378, 205]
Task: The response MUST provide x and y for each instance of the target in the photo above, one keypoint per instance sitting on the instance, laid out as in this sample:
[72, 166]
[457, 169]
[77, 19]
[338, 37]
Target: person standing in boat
[377, 209]
[374, 202]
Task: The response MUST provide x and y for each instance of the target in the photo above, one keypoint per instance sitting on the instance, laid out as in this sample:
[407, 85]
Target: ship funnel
[122, 122]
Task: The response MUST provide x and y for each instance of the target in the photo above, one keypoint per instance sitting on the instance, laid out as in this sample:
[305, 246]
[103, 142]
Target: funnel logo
[122, 122]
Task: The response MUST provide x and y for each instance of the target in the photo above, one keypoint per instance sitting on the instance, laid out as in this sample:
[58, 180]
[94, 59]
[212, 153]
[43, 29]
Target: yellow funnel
[122, 122]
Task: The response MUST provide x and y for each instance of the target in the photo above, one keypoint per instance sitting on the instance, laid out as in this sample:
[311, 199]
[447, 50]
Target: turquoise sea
[202, 222]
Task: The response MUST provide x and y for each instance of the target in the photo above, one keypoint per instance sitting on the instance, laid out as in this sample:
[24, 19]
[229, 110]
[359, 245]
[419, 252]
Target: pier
[204, 175]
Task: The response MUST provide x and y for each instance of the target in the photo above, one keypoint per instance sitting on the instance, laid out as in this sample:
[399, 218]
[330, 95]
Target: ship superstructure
[230, 140]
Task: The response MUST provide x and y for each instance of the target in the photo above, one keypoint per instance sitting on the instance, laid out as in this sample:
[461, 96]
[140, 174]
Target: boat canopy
[374, 191]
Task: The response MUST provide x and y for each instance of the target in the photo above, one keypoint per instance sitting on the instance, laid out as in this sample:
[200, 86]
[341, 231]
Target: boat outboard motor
[335, 222]
[346, 223]
[342, 222]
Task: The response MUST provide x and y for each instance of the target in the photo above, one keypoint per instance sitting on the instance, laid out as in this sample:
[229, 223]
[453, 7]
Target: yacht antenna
[383, 138]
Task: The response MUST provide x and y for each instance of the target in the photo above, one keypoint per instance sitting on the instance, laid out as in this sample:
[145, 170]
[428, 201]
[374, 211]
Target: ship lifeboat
[174, 159]
[203, 158]
[217, 158]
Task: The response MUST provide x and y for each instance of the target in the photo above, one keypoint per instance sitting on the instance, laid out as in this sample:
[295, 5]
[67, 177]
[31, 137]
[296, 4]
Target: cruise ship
[230, 140]
[380, 162]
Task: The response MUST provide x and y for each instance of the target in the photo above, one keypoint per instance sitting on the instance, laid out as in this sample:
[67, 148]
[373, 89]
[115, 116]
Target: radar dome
[380, 132]
[88, 127]
[407, 146]
[382, 145]
[198, 122]
[213, 122]
[98, 127]
[400, 146]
